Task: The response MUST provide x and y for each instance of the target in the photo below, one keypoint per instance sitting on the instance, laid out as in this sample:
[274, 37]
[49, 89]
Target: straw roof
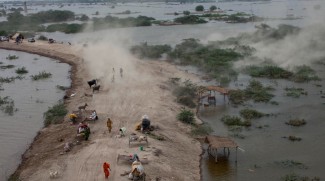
[214, 88]
[220, 142]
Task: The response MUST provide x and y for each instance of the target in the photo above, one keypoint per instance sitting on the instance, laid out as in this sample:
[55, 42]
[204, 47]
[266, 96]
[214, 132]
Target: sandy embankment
[142, 90]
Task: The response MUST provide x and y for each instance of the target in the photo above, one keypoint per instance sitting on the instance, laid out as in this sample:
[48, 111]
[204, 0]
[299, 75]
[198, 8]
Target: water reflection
[223, 170]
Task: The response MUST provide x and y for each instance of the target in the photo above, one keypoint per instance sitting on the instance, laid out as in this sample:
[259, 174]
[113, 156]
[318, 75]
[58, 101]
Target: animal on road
[96, 88]
[83, 107]
[92, 82]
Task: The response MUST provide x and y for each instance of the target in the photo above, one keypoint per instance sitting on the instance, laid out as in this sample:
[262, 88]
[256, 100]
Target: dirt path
[143, 89]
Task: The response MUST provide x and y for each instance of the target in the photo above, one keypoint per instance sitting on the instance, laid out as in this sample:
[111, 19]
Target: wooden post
[216, 157]
[236, 155]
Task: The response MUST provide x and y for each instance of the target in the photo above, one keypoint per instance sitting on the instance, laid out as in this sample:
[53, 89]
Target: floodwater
[263, 144]
[260, 147]
[32, 99]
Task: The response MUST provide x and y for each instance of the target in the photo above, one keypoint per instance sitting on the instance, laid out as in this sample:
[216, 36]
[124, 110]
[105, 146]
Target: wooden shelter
[202, 91]
[218, 142]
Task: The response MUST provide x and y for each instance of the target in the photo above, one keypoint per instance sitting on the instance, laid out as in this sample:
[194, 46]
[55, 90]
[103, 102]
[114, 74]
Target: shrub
[186, 101]
[186, 13]
[186, 116]
[41, 75]
[213, 7]
[201, 130]
[186, 93]
[55, 114]
[22, 70]
[42, 37]
[199, 8]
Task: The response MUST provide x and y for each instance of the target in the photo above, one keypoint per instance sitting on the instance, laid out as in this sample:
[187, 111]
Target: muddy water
[262, 147]
[32, 99]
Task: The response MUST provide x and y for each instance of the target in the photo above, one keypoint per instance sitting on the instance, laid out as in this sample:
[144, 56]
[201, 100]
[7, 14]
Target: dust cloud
[296, 49]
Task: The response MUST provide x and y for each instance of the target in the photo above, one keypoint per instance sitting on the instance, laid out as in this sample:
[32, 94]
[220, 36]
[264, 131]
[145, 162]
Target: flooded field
[263, 144]
[31, 99]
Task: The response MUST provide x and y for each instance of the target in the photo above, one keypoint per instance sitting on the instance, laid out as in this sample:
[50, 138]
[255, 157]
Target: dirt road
[142, 89]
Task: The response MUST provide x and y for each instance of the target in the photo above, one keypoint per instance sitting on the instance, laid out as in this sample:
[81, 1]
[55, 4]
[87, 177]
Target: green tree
[186, 13]
[84, 18]
[213, 7]
[199, 8]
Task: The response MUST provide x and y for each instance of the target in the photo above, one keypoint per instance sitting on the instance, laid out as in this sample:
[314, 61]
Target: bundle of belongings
[93, 116]
[145, 125]
[137, 170]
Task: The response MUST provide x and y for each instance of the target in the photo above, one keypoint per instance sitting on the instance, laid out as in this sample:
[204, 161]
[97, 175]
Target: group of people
[121, 74]
[83, 129]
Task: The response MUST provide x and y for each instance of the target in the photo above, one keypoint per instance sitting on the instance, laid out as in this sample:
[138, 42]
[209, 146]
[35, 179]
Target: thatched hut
[218, 142]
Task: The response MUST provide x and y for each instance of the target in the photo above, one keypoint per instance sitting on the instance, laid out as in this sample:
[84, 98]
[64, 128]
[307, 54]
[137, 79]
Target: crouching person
[73, 118]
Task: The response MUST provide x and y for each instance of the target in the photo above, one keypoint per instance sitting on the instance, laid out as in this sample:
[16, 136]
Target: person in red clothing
[106, 167]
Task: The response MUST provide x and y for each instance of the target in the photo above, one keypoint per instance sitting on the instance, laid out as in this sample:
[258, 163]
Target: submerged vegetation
[296, 122]
[12, 57]
[235, 121]
[22, 70]
[41, 75]
[7, 105]
[291, 164]
[55, 114]
[10, 79]
[250, 114]
[295, 177]
[268, 71]
[300, 74]
[6, 66]
[295, 92]
[254, 91]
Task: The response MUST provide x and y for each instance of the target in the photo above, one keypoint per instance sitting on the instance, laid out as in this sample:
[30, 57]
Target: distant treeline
[18, 22]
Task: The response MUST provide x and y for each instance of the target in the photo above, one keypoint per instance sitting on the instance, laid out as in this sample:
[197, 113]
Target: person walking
[121, 72]
[106, 167]
[109, 125]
